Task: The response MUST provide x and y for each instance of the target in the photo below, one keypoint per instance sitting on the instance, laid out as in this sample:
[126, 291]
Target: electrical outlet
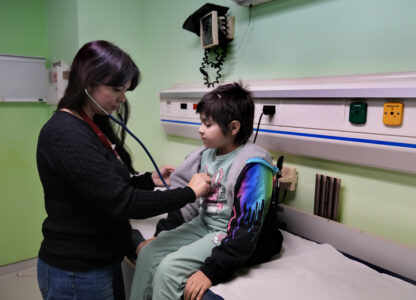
[289, 179]
[269, 114]
[269, 110]
[393, 114]
[358, 112]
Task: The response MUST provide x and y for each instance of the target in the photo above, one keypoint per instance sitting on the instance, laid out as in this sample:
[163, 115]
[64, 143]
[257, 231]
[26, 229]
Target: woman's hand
[196, 286]
[200, 183]
[142, 244]
[165, 171]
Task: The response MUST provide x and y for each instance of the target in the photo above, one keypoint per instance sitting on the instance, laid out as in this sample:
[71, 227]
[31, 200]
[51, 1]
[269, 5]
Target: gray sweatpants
[165, 264]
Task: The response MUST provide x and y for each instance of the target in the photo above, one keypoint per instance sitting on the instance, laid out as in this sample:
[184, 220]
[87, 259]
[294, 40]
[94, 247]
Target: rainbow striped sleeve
[252, 199]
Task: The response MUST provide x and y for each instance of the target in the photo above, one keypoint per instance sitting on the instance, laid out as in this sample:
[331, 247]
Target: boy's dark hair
[227, 103]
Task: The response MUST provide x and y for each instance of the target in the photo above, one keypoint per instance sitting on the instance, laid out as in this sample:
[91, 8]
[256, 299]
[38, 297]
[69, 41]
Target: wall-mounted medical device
[58, 81]
[393, 114]
[312, 117]
[215, 29]
[209, 30]
[211, 27]
[358, 112]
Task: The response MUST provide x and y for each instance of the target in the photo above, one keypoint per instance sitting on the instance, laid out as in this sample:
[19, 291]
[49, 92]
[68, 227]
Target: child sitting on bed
[220, 232]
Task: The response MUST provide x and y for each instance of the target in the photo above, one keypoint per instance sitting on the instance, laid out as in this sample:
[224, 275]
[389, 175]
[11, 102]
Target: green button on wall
[358, 112]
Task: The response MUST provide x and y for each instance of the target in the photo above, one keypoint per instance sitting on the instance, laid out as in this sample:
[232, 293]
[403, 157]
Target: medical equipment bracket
[312, 117]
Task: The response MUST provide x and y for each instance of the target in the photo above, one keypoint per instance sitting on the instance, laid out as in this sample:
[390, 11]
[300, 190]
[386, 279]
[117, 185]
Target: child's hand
[142, 244]
[196, 286]
[165, 171]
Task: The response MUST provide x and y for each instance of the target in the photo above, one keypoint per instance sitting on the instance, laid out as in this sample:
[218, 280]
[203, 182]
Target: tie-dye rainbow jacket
[248, 190]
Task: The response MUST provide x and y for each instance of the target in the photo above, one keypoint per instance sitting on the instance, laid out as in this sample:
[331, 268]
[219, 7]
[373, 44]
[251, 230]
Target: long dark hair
[102, 63]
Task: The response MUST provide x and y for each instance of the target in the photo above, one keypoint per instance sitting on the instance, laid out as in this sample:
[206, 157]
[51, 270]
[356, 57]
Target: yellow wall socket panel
[393, 114]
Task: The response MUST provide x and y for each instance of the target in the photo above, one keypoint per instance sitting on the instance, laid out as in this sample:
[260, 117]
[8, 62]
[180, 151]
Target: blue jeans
[100, 284]
[210, 295]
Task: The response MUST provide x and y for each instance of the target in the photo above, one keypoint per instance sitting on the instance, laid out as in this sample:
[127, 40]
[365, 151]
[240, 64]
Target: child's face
[213, 137]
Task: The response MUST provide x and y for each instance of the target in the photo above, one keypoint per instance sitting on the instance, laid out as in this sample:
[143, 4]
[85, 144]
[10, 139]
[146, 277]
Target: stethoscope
[122, 124]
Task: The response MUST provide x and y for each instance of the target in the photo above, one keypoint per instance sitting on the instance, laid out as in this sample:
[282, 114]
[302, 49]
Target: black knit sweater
[90, 197]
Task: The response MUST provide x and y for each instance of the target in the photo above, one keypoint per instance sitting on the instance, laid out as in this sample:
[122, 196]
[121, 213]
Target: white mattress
[306, 270]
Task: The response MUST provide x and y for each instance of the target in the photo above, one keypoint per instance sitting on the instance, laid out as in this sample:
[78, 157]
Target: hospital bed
[320, 259]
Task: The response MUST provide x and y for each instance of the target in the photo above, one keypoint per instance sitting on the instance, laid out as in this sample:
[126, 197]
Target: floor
[20, 285]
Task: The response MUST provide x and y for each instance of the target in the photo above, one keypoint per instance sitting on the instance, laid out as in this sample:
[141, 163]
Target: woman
[85, 171]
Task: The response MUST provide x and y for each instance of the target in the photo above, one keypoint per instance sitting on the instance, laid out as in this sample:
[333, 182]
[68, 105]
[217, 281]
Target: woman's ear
[234, 127]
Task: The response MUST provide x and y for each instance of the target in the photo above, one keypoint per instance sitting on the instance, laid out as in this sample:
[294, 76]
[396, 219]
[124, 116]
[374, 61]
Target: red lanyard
[98, 132]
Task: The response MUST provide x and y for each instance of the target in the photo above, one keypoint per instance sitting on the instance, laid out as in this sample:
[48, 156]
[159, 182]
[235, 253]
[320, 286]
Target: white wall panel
[328, 114]
[22, 79]
[318, 126]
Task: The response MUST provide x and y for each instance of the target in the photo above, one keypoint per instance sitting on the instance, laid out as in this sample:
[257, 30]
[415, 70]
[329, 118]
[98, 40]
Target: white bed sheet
[306, 270]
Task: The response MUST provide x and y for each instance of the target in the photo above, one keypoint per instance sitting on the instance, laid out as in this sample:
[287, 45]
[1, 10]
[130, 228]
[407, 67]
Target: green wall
[21, 209]
[22, 27]
[22, 32]
[292, 38]
[43, 28]
[286, 38]
[62, 29]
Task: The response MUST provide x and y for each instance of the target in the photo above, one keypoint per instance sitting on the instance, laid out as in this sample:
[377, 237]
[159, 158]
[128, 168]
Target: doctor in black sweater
[86, 171]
